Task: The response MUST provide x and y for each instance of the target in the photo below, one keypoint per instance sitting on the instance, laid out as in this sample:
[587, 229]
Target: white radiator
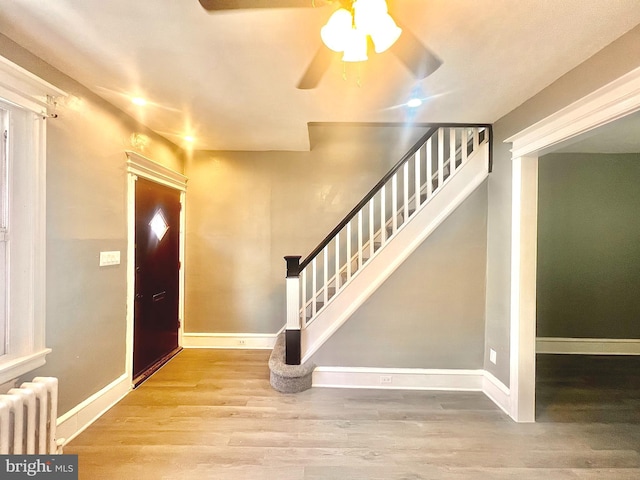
[28, 418]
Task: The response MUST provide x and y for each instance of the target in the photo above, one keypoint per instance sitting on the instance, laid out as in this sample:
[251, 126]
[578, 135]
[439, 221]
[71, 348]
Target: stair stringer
[385, 261]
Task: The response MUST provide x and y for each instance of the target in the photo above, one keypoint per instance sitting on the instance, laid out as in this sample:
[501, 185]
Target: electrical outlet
[386, 379]
[492, 356]
[241, 341]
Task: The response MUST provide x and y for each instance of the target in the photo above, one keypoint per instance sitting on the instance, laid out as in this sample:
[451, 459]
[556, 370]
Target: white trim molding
[497, 392]
[398, 378]
[611, 102]
[76, 420]
[251, 341]
[588, 346]
[147, 168]
[606, 104]
[25, 100]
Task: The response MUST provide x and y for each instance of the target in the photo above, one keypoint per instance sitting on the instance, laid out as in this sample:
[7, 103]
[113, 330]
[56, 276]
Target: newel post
[292, 333]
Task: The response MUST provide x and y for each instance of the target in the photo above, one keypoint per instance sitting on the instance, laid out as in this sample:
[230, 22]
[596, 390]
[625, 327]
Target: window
[24, 100]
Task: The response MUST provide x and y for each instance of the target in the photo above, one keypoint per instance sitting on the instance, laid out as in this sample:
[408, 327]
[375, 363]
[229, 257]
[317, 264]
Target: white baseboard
[497, 391]
[76, 420]
[398, 378]
[256, 341]
[588, 346]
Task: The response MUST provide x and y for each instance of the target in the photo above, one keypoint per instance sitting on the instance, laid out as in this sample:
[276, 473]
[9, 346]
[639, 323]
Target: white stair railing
[374, 222]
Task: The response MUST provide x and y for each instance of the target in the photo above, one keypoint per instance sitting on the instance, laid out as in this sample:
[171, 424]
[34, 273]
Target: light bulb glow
[348, 31]
[141, 102]
[414, 102]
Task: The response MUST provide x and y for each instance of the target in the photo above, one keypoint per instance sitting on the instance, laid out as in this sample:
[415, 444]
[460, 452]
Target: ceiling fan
[420, 61]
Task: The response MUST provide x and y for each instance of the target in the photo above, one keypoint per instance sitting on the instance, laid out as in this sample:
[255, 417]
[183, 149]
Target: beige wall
[430, 312]
[610, 63]
[86, 213]
[247, 210]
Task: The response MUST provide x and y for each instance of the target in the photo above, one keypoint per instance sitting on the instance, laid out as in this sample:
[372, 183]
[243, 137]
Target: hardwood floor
[211, 414]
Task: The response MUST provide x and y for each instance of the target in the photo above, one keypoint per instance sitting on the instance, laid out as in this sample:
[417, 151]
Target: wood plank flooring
[211, 414]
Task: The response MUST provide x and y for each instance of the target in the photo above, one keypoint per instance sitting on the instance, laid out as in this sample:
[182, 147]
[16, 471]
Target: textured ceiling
[229, 78]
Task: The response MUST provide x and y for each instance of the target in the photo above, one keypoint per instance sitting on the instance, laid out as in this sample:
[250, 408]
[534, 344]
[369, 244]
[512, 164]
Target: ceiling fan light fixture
[367, 14]
[386, 34]
[355, 49]
[337, 30]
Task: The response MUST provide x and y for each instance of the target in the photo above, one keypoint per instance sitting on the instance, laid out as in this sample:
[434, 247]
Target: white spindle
[465, 141]
[452, 150]
[360, 239]
[383, 211]
[325, 266]
[394, 203]
[293, 303]
[303, 284]
[476, 138]
[371, 226]
[405, 199]
[429, 167]
[440, 157]
[417, 177]
[348, 250]
[314, 285]
[337, 281]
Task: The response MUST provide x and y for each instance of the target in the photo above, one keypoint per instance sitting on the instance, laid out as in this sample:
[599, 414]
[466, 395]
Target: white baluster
[303, 284]
[371, 226]
[394, 203]
[337, 281]
[452, 150]
[476, 138]
[406, 191]
[348, 250]
[360, 239]
[429, 167]
[325, 282]
[465, 143]
[417, 177]
[314, 285]
[383, 211]
[440, 157]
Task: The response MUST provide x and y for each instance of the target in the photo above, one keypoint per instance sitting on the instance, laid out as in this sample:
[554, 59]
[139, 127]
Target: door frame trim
[606, 104]
[140, 166]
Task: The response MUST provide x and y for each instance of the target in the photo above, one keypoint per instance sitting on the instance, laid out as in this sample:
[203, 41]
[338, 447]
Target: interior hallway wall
[618, 58]
[430, 312]
[247, 210]
[86, 214]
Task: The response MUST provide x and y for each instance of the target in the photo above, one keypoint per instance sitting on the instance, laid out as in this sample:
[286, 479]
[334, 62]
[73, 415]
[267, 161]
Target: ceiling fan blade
[215, 5]
[316, 69]
[421, 61]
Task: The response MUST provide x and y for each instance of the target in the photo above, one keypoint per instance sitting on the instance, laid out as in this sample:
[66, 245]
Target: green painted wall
[589, 246]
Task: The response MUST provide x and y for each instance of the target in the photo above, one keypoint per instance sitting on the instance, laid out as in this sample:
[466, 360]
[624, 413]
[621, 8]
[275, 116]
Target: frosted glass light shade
[367, 14]
[356, 47]
[386, 34]
[334, 34]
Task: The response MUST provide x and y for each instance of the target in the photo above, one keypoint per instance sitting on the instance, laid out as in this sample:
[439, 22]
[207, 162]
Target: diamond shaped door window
[159, 225]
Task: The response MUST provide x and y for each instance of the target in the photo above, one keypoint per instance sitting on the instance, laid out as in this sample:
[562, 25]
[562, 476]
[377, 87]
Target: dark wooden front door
[157, 248]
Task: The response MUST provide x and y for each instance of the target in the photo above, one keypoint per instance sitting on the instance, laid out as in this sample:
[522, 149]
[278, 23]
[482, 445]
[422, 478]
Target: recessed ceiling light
[141, 102]
[414, 102]
[189, 138]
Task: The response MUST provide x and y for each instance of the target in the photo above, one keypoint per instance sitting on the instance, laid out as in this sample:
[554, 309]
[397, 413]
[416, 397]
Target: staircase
[435, 176]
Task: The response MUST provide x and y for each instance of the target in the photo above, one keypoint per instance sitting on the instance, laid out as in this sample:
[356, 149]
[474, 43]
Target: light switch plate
[109, 258]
